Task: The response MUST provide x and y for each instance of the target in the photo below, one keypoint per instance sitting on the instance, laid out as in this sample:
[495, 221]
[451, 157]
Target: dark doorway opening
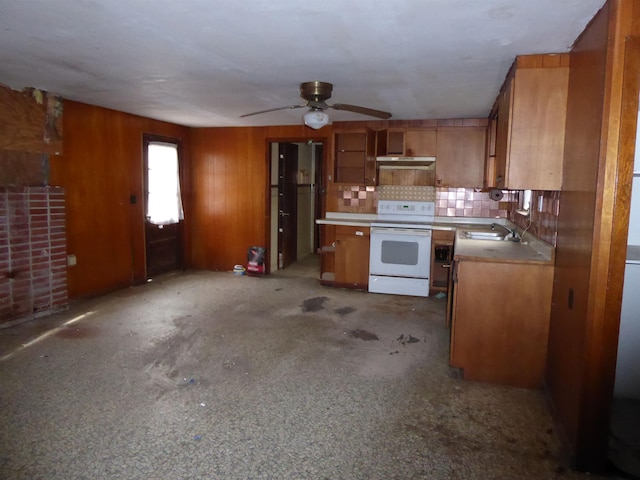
[296, 201]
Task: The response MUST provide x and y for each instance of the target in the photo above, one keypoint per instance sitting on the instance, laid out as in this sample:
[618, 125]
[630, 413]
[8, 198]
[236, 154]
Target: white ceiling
[206, 62]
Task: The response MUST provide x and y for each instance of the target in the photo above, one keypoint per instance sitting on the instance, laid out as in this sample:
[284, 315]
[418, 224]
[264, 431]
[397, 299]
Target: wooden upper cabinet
[503, 136]
[531, 114]
[460, 157]
[355, 157]
[420, 143]
[404, 142]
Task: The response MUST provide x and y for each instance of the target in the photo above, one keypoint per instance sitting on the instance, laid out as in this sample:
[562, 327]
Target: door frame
[320, 189]
[148, 138]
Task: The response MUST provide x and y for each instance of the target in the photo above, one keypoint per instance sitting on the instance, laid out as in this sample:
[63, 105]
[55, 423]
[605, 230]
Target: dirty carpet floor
[209, 375]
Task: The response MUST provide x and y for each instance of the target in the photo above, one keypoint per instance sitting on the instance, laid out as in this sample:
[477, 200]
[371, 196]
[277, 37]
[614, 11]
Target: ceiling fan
[316, 94]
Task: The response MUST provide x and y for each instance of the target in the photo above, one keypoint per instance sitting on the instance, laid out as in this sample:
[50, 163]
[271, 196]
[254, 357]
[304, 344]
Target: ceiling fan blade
[363, 110]
[273, 110]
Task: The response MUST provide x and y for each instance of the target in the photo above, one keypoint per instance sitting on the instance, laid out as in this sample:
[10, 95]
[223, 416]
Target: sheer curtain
[164, 204]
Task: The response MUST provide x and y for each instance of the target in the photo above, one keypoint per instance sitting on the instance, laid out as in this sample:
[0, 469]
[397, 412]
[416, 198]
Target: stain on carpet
[314, 304]
[363, 335]
[344, 310]
[404, 339]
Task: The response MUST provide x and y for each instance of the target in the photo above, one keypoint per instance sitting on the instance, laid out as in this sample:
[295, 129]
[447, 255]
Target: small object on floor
[238, 270]
[440, 295]
[197, 438]
[256, 260]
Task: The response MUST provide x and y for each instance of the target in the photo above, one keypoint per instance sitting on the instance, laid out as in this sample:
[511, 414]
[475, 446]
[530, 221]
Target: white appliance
[400, 253]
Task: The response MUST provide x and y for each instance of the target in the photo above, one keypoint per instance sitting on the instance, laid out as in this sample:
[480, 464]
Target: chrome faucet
[513, 233]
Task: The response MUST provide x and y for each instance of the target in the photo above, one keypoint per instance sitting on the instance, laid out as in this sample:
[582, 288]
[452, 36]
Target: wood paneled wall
[594, 210]
[230, 174]
[230, 183]
[100, 170]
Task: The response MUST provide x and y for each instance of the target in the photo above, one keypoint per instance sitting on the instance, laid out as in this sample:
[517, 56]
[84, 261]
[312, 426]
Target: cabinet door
[536, 147]
[503, 135]
[501, 322]
[350, 157]
[420, 143]
[352, 256]
[460, 157]
[350, 142]
[395, 142]
[354, 157]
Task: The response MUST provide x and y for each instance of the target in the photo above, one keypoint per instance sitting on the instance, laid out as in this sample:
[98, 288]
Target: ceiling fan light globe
[316, 119]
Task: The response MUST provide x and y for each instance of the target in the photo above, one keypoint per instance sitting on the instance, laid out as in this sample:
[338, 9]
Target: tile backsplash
[467, 202]
[543, 219]
[357, 198]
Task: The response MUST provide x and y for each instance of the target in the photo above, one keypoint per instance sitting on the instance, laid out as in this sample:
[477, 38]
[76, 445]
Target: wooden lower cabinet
[500, 321]
[352, 256]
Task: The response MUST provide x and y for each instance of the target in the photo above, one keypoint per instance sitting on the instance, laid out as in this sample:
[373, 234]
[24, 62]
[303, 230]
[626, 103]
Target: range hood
[390, 161]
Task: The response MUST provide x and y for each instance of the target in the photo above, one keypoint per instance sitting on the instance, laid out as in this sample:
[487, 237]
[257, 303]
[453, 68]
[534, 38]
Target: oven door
[400, 252]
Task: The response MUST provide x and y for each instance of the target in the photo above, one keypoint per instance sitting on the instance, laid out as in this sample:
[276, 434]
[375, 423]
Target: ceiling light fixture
[315, 118]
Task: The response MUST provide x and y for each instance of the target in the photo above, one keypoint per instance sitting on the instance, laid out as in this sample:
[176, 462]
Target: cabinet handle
[446, 265]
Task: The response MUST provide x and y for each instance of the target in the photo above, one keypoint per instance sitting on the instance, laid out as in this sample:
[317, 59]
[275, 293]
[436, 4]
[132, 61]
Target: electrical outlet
[71, 260]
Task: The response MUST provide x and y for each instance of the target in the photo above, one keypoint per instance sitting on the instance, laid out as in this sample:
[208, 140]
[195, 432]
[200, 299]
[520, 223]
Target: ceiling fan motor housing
[316, 91]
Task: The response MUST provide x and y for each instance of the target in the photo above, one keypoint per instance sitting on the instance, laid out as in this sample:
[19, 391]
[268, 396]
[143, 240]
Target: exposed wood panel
[101, 170]
[30, 121]
[23, 168]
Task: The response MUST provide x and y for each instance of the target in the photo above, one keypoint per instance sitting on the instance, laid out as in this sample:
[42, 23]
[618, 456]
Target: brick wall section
[33, 253]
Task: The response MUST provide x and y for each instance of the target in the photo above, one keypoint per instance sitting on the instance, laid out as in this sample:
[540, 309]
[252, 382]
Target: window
[164, 204]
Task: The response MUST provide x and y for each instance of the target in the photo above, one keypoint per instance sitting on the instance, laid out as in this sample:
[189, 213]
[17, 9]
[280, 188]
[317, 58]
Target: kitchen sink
[483, 235]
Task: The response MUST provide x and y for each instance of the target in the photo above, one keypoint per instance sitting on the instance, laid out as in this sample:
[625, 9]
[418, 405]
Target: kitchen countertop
[532, 250]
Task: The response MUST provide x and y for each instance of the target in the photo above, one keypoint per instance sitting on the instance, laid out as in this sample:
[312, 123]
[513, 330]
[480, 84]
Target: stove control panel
[402, 207]
[414, 210]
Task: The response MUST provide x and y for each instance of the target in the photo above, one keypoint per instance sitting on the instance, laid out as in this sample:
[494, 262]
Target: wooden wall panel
[230, 187]
[100, 169]
[589, 260]
[575, 225]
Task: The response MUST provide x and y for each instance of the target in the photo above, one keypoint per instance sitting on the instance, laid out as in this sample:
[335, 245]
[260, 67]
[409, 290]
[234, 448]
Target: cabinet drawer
[443, 236]
[354, 231]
